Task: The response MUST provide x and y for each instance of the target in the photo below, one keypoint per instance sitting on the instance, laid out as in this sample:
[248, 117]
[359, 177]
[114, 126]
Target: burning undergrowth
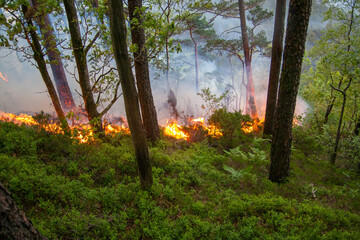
[221, 125]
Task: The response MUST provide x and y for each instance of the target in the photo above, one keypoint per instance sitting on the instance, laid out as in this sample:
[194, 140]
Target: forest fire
[176, 131]
[253, 127]
[80, 131]
[195, 130]
[196, 125]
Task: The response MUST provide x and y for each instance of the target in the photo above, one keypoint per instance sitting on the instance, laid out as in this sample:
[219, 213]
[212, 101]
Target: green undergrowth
[91, 191]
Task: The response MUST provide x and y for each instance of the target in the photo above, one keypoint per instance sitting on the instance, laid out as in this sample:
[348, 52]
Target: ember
[4, 77]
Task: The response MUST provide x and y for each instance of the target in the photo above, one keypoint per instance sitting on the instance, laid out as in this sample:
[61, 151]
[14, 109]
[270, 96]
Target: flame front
[175, 130]
[82, 132]
[4, 77]
[253, 127]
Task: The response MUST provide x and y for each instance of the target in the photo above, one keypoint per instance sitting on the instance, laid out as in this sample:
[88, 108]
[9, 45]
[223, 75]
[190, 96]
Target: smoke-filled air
[179, 119]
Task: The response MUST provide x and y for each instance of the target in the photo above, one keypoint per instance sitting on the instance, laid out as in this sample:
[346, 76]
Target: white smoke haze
[26, 92]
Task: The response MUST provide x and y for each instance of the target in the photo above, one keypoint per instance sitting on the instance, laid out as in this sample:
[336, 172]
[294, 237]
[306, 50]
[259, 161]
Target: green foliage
[83, 191]
[230, 124]
[212, 102]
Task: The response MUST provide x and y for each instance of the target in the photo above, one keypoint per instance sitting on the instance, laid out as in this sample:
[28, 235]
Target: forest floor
[201, 191]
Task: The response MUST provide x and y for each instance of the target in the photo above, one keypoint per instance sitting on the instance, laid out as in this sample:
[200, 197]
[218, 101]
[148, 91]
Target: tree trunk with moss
[118, 36]
[297, 24]
[148, 110]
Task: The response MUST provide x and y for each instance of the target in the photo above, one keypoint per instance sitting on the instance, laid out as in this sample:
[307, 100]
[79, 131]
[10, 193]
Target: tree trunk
[14, 224]
[53, 53]
[250, 100]
[357, 127]
[338, 133]
[276, 56]
[329, 109]
[148, 110]
[167, 65]
[298, 20]
[118, 36]
[81, 64]
[39, 58]
[196, 61]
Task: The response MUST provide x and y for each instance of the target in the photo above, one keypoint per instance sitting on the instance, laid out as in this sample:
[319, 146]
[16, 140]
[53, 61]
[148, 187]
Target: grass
[91, 191]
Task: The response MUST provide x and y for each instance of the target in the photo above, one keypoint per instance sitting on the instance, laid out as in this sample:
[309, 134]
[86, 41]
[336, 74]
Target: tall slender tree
[276, 56]
[80, 52]
[118, 36]
[296, 31]
[43, 21]
[199, 29]
[148, 110]
[41, 64]
[250, 93]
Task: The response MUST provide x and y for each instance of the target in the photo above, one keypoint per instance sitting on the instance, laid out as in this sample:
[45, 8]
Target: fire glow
[84, 133]
[4, 77]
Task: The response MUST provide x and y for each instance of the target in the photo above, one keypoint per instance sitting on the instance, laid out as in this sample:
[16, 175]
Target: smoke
[26, 92]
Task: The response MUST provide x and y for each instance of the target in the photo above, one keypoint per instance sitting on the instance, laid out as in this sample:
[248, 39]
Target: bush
[230, 123]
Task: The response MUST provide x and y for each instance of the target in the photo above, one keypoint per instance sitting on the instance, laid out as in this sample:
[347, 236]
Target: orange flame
[175, 130]
[4, 77]
[82, 132]
[253, 127]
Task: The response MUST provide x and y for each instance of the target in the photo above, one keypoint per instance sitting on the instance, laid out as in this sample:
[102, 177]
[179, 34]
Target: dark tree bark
[81, 63]
[357, 128]
[39, 58]
[118, 36]
[276, 56]
[297, 24]
[338, 133]
[53, 53]
[250, 91]
[148, 110]
[14, 224]
[329, 109]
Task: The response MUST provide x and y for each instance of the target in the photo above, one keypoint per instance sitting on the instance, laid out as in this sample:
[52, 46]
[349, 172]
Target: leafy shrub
[17, 140]
[231, 124]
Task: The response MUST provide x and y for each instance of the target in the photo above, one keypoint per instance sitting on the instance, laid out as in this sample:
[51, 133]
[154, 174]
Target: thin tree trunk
[196, 61]
[148, 110]
[233, 84]
[118, 36]
[329, 109]
[357, 127]
[276, 56]
[53, 53]
[13, 222]
[81, 64]
[250, 101]
[39, 58]
[298, 21]
[167, 65]
[338, 133]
